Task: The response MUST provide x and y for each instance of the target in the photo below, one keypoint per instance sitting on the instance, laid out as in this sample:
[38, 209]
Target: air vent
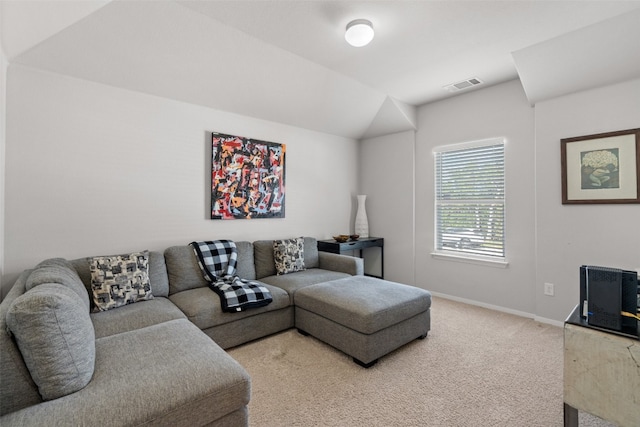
[465, 84]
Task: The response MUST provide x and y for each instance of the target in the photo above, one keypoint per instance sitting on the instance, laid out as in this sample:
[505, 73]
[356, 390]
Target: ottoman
[362, 316]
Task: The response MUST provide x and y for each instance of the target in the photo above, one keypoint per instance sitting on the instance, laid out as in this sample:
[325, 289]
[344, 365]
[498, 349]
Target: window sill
[470, 259]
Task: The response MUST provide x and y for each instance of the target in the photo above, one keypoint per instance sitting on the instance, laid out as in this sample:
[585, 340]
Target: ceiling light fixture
[359, 32]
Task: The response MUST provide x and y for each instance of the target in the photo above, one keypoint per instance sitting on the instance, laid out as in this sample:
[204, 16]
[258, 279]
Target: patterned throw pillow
[288, 255]
[119, 280]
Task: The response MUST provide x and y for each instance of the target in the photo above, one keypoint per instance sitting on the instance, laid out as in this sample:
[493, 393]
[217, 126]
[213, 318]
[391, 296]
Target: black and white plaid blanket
[217, 260]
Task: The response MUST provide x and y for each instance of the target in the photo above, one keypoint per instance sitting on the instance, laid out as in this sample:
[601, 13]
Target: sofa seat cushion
[167, 374]
[293, 281]
[202, 306]
[134, 316]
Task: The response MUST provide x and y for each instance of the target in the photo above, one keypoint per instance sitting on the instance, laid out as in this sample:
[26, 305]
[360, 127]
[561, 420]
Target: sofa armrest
[342, 263]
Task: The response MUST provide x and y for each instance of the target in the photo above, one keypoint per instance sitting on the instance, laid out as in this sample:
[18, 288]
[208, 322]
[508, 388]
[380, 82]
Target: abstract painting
[247, 178]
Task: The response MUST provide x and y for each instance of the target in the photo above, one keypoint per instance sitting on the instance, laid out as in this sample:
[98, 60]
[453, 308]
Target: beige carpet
[478, 367]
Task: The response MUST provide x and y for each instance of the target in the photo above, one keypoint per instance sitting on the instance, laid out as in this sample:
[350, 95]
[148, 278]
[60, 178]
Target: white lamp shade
[359, 32]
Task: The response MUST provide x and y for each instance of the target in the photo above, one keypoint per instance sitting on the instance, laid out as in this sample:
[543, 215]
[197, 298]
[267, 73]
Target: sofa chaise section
[365, 317]
[152, 366]
[166, 374]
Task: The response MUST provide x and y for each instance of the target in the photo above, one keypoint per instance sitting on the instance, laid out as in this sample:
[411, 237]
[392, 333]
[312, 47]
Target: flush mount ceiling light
[359, 32]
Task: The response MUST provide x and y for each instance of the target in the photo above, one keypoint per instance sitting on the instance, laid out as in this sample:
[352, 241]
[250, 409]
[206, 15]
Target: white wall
[93, 169]
[546, 241]
[572, 235]
[498, 111]
[386, 176]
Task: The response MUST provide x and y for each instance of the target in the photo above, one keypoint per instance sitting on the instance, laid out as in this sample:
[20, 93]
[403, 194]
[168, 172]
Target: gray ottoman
[362, 316]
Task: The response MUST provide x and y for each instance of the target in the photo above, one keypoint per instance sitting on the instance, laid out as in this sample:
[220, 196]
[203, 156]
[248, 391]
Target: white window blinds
[470, 202]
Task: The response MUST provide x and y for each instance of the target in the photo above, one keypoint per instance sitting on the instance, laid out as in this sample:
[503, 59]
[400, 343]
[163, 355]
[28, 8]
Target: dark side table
[355, 245]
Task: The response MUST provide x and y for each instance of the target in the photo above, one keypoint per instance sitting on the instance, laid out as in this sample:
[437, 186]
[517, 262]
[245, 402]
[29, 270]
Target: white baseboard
[548, 321]
[501, 309]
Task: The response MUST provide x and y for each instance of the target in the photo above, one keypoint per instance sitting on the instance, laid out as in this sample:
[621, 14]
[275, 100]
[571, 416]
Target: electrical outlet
[548, 289]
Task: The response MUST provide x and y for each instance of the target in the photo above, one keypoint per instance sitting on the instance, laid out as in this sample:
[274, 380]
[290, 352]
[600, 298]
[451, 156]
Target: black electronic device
[605, 293]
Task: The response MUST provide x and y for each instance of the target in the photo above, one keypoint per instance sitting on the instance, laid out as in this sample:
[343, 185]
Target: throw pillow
[119, 280]
[288, 255]
[54, 333]
[58, 270]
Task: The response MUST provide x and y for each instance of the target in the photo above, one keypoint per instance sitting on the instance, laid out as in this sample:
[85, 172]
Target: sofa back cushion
[311, 259]
[264, 261]
[183, 269]
[59, 270]
[245, 268]
[17, 389]
[184, 273]
[54, 333]
[157, 274]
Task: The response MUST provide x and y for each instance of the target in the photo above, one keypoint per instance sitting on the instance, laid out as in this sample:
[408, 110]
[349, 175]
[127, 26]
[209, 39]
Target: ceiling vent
[465, 84]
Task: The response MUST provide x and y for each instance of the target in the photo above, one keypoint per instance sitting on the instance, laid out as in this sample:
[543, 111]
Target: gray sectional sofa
[156, 362]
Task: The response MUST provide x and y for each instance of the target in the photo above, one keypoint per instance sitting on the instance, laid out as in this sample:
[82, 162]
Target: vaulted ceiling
[287, 61]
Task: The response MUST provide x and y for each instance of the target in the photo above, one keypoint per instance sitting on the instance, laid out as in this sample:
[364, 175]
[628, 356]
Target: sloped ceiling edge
[28, 23]
[582, 59]
[392, 117]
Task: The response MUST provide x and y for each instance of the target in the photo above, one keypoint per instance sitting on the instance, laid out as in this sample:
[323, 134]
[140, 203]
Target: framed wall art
[602, 168]
[247, 178]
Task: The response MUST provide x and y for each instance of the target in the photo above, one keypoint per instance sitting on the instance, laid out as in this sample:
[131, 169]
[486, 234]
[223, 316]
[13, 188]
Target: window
[469, 200]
